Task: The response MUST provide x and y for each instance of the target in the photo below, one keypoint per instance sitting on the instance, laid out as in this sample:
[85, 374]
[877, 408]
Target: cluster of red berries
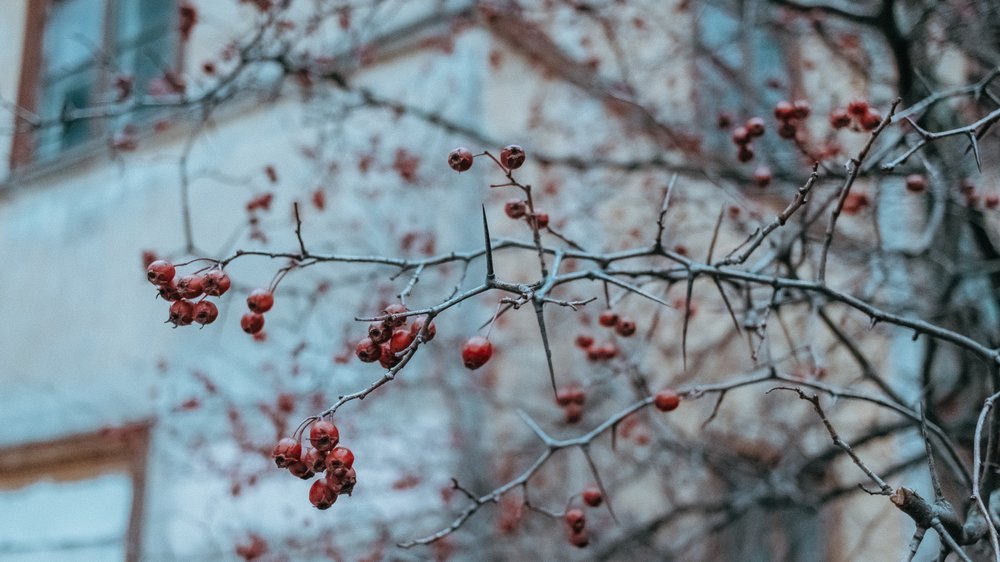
[858, 112]
[260, 202]
[389, 337]
[512, 157]
[576, 520]
[259, 301]
[571, 400]
[622, 325]
[790, 115]
[338, 462]
[476, 351]
[518, 209]
[742, 136]
[182, 292]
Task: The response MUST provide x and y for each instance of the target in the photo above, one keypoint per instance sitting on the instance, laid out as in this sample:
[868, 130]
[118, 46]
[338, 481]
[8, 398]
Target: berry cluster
[338, 462]
[518, 209]
[789, 116]
[182, 292]
[259, 301]
[742, 136]
[571, 400]
[576, 520]
[622, 325]
[390, 337]
[512, 157]
[857, 112]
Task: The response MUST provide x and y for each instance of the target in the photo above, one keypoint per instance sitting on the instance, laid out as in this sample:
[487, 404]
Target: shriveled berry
[315, 460]
[160, 272]
[515, 208]
[460, 159]
[418, 326]
[540, 219]
[916, 183]
[592, 496]
[323, 435]
[608, 318]
[301, 470]
[512, 156]
[342, 480]
[476, 352]
[260, 301]
[625, 327]
[181, 313]
[168, 291]
[575, 519]
[787, 130]
[205, 312]
[368, 351]
[286, 452]
[583, 341]
[252, 322]
[190, 286]
[387, 358]
[755, 126]
[216, 283]
[321, 495]
[401, 339]
[666, 400]
[378, 332]
[784, 110]
[839, 119]
[340, 457]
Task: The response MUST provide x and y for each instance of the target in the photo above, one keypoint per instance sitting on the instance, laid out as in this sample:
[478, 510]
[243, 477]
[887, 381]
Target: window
[75, 52]
[78, 498]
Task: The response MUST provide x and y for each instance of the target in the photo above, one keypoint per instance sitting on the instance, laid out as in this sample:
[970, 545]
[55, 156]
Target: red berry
[340, 457]
[608, 351]
[784, 110]
[762, 176]
[260, 301]
[570, 395]
[160, 272]
[916, 183]
[315, 460]
[802, 109]
[401, 339]
[181, 313]
[460, 159]
[324, 435]
[746, 153]
[608, 318]
[575, 519]
[301, 470]
[216, 283]
[286, 452]
[724, 120]
[168, 291]
[387, 358]
[858, 107]
[992, 201]
[584, 341]
[579, 540]
[574, 413]
[625, 327]
[418, 326]
[476, 352]
[190, 286]
[252, 322]
[786, 130]
[741, 135]
[368, 351]
[855, 202]
[755, 126]
[592, 496]
[512, 156]
[539, 218]
[594, 353]
[321, 495]
[342, 480]
[205, 312]
[839, 119]
[378, 332]
[394, 310]
[870, 120]
[515, 208]
[666, 400]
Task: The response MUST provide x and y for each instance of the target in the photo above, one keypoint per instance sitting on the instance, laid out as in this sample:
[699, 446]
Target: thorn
[490, 276]
[539, 314]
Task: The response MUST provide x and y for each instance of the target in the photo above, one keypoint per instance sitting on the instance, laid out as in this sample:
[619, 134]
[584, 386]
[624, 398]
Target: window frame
[123, 449]
[23, 154]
